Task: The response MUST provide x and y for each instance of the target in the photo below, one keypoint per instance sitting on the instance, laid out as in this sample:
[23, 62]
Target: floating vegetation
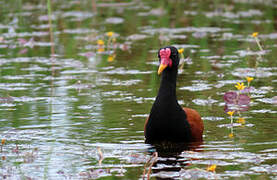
[237, 102]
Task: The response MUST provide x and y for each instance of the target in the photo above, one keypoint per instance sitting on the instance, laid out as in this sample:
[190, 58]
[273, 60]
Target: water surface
[73, 109]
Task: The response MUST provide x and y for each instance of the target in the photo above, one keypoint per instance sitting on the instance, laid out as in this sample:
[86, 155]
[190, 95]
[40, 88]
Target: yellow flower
[231, 113]
[3, 141]
[255, 34]
[249, 79]
[111, 58]
[100, 50]
[110, 34]
[231, 135]
[241, 120]
[240, 86]
[100, 42]
[181, 50]
[211, 168]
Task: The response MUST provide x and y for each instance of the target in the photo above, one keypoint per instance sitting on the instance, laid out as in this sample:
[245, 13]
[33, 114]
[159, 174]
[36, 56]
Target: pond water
[74, 98]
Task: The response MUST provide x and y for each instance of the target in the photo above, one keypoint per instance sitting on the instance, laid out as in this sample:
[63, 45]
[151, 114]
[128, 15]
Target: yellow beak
[161, 68]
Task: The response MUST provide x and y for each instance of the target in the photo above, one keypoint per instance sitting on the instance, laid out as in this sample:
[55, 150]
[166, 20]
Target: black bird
[168, 121]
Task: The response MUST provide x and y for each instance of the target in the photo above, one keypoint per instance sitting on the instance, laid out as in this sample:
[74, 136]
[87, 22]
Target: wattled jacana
[168, 121]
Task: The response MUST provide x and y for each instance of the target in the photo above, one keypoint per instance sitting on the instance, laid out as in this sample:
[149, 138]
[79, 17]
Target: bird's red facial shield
[165, 60]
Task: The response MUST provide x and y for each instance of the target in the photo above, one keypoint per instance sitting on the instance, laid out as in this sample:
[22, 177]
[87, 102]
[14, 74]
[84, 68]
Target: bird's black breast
[167, 122]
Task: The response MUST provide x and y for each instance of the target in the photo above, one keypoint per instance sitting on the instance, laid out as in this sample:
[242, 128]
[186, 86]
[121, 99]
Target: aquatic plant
[249, 79]
[240, 86]
[3, 141]
[181, 51]
[257, 40]
[100, 155]
[110, 34]
[107, 44]
[100, 42]
[231, 135]
[211, 168]
[2, 144]
[255, 36]
[101, 46]
[49, 10]
[231, 113]
[182, 59]
[239, 97]
[149, 164]
[111, 58]
[238, 101]
[241, 120]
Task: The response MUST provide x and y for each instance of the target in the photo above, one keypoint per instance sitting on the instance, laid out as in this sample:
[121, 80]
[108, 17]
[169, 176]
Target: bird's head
[168, 57]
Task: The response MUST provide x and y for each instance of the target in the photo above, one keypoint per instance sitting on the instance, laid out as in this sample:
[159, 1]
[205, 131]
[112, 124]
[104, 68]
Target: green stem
[50, 26]
[108, 44]
[259, 45]
[261, 49]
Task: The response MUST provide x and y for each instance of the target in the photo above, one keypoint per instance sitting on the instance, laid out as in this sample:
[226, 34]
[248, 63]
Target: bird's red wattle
[165, 56]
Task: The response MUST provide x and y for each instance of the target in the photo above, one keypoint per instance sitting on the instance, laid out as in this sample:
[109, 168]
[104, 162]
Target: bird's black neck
[167, 120]
[168, 85]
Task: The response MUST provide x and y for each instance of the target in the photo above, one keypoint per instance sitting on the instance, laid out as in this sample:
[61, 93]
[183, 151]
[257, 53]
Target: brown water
[71, 111]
